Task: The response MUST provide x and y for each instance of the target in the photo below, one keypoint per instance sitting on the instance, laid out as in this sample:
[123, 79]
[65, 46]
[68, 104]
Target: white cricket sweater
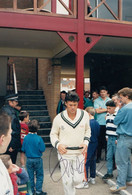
[72, 133]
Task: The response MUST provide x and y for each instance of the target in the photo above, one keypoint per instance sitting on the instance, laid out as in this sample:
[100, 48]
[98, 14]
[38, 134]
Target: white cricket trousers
[72, 171]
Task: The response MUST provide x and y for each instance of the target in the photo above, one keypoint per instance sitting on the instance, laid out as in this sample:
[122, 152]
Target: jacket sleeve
[23, 145]
[120, 117]
[22, 176]
[54, 135]
[42, 145]
[87, 133]
[96, 105]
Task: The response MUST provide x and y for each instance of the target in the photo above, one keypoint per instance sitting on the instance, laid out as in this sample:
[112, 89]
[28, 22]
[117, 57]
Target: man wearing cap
[9, 108]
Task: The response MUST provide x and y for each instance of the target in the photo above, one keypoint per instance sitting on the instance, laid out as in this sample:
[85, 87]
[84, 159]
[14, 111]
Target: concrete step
[30, 92]
[48, 145]
[46, 138]
[45, 125]
[33, 102]
[34, 107]
[41, 118]
[44, 131]
[38, 112]
[31, 97]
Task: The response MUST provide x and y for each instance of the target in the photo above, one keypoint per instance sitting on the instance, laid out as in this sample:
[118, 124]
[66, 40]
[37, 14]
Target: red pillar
[80, 53]
[53, 6]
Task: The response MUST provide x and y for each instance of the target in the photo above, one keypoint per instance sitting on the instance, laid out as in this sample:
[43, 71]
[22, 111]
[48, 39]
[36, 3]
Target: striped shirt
[110, 126]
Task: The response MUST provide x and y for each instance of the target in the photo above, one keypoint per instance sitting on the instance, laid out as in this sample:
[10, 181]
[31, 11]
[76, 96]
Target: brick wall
[51, 91]
[25, 72]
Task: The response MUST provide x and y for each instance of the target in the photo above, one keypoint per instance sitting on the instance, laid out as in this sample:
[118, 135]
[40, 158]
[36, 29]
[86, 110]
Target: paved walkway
[53, 184]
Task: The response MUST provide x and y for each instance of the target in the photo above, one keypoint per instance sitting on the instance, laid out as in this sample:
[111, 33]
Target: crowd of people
[18, 134]
[109, 129]
[79, 135]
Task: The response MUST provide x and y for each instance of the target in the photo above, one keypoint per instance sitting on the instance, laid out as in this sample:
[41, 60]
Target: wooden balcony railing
[40, 7]
[50, 7]
[116, 17]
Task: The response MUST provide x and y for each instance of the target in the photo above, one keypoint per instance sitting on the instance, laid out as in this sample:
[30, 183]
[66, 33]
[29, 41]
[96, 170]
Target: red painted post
[53, 6]
[70, 4]
[80, 53]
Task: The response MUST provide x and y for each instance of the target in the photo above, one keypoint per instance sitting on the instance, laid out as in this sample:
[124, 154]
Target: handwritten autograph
[68, 167]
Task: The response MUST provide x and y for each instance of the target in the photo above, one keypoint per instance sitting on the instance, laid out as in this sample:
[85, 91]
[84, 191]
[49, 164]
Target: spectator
[95, 95]
[117, 101]
[123, 120]
[70, 134]
[87, 101]
[111, 138]
[15, 144]
[5, 137]
[61, 103]
[24, 118]
[18, 175]
[33, 147]
[100, 108]
[89, 7]
[91, 152]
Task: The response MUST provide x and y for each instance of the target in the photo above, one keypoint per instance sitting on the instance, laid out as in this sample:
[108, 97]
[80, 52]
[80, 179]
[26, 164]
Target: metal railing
[11, 79]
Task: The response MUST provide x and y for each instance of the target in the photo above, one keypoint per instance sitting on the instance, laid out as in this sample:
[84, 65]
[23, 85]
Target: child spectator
[24, 118]
[111, 138]
[33, 147]
[90, 157]
[18, 175]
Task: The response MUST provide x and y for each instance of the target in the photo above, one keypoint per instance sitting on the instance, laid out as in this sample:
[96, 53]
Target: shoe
[117, 188]
[91, 180]
[83, 185]
[129, 183]
[107, 176]
[41, 193]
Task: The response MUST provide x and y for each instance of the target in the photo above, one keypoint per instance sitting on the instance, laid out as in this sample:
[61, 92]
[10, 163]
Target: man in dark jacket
[9, 108]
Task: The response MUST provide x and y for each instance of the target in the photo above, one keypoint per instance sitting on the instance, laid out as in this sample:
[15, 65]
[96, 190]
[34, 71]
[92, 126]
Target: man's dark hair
[86, 92]
[72, 97]
[33, 126]
[5, 120]
[103, 88]
[110, 103]
[126, 92]
[23, 114]
[95, 90]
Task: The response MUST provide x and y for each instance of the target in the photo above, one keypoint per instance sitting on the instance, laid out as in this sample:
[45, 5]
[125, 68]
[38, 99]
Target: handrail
[11, 79]
[15, 81]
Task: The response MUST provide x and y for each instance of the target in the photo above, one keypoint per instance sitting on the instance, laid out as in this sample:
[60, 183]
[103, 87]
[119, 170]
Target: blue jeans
[35, 168]
[91, 159]
[123, 160]
[111, 148]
